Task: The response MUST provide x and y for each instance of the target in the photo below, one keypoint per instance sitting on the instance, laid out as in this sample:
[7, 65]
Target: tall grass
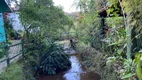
[14, 72]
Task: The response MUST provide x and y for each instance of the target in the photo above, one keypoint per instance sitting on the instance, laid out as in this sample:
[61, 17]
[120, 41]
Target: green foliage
[89, 24]
[113, 9]
[127, 76]
[129, 66]
[42, 17]
[96, 61]
[2, 52]
[10, 32]
[111, 60]
[42, 20]
[15, 72]
[47, 58]
[139, 65]
[54, 60]
[132, 68]
[116, 36]
[133, 8]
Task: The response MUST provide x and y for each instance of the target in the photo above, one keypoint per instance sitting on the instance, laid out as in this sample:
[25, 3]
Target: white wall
[15, 21]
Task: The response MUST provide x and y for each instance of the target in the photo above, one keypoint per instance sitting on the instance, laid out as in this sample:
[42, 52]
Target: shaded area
[76, 72]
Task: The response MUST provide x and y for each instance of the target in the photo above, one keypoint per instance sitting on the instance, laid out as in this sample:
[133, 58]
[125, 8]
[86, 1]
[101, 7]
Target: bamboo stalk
[128, 32]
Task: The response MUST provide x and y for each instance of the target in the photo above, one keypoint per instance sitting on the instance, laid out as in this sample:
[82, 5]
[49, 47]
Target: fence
[12, 52]
[17, 48]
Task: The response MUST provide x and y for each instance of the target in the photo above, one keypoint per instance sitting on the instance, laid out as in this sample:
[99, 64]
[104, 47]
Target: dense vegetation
[113, 27]
[10, 32]
[43, 22]
[107, 34]
[47, 59]
[43, 19]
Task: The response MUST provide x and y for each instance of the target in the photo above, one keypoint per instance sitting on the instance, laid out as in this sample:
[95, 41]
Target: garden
[106, 35]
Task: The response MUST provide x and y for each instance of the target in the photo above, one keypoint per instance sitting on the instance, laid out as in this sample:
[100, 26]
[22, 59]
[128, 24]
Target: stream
[76, 72]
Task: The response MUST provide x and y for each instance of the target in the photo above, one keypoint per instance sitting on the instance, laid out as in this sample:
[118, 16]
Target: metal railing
[9, 49]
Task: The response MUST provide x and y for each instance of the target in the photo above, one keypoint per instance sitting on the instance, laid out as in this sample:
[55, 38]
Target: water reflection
[75, 71]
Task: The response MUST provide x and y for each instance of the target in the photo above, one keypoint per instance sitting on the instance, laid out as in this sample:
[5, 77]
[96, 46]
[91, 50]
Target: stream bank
[76, 72]
[96, 61]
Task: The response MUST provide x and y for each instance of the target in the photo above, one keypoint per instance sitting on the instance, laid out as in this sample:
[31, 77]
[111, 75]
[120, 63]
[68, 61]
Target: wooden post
[22, 45]
[61, 37]
[68, 35]
[7, 55]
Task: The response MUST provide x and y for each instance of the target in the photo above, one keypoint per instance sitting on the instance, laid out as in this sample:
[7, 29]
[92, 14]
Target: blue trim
[2, 30]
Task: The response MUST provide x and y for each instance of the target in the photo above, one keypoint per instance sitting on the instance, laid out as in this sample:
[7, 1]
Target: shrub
[96, 61]
[2, 52]
[53, 60]
[47, 58]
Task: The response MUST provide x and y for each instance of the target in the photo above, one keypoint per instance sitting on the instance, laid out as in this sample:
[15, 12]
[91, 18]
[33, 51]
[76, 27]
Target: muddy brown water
[76, 72]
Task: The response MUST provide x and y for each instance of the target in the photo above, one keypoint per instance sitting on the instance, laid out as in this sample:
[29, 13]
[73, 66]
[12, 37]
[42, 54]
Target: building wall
[2, 31]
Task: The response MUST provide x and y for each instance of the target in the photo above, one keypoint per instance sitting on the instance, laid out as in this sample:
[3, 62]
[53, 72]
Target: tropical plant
[54, 60]
[47, 57]
[42, 20]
